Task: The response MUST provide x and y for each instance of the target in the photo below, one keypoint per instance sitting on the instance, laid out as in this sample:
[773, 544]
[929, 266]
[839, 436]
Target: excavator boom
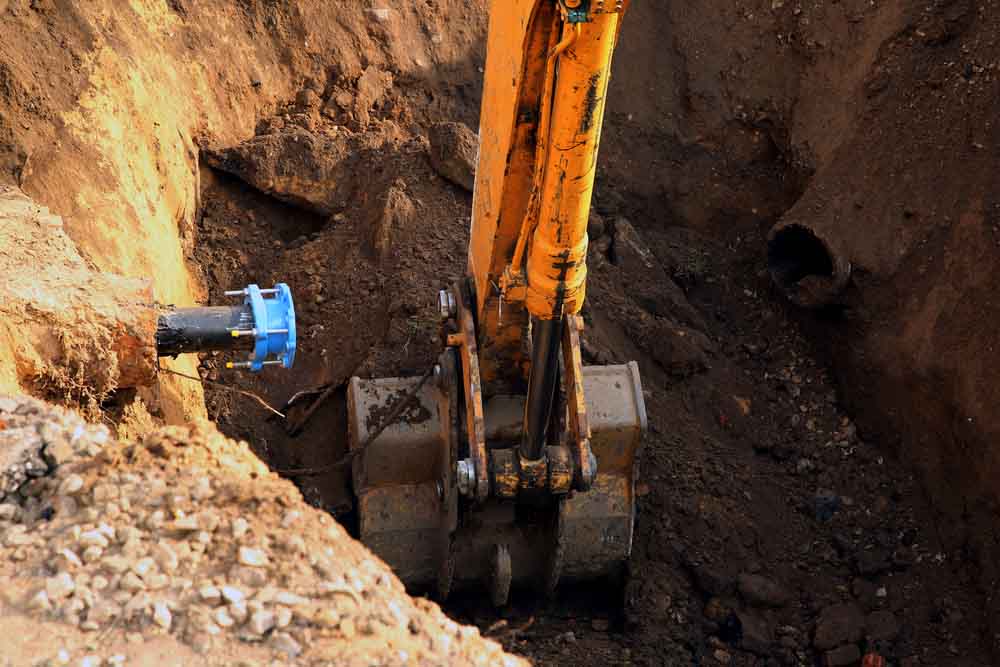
[517, 463]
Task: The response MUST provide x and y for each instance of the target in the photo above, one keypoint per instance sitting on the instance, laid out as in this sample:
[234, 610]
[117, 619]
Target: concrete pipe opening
[805, 266]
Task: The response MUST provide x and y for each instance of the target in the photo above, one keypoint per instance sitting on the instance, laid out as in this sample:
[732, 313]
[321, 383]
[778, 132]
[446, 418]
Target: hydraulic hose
[546, 336]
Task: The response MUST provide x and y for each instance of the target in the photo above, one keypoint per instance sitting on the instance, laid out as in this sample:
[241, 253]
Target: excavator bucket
[414, 515]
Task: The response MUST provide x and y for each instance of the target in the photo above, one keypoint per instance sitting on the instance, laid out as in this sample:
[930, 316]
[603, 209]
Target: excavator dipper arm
[524, 471]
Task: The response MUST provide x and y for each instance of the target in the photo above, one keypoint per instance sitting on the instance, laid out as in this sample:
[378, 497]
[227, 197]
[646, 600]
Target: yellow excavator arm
[521, 466]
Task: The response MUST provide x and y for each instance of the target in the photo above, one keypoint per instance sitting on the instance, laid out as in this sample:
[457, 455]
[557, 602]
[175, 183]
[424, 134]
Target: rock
[454, 151]
[67, 559]
[60, 586]
[93, 538]
[392, 209]
[223, 618]
[71, 485]
[282, 617]
[232, 595]
[252, 557]
[882, 626]
[248, 576]
[285, 643]
[843, 656]
[144, 566]
[290, 518]
[131, 583]
[649, 284]
[261, 622]
[761, 591]
[40, 601]
[210, 594]
[600, 624]
[839, 624]
[92, 554]
[166, 557]
[161, 615]
[872, 562]
[595, 225]
[58, 452]
[184, 524]
[90, 661]
[757, 635]
[116, 564]
[8, 511]
[240, 527]
[239, 612]
[826, 503]
[372, 86]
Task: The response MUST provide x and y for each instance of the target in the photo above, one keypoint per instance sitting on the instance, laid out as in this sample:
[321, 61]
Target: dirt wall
[103, 107]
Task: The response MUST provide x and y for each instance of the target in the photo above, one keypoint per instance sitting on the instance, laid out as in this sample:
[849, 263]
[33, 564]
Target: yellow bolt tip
[234, 333]
[229, 364]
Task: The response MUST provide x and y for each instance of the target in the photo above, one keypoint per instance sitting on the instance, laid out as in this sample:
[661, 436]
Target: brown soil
[772, 529]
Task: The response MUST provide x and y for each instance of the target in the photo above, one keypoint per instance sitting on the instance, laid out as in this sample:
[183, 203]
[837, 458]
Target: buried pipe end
[805, 266]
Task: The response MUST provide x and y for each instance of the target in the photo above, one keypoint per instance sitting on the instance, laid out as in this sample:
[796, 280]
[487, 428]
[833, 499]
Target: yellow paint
[540, 126]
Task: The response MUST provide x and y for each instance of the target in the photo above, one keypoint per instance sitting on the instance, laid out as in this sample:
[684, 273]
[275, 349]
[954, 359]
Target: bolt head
[446, 304]
[466, 477]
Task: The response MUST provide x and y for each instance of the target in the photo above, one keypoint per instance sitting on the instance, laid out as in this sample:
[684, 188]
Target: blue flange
[273, 327]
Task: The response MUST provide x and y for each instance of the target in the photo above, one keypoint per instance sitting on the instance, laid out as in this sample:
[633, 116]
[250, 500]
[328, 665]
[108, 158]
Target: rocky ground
[185, 536]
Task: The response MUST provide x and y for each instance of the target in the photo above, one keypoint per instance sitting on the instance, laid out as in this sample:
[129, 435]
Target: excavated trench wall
[103, 108]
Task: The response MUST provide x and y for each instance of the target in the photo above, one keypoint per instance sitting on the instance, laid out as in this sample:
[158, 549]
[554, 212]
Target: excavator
[512, 463]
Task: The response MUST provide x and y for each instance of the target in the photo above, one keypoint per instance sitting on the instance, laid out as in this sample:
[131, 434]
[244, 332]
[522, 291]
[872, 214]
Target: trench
[752, 470]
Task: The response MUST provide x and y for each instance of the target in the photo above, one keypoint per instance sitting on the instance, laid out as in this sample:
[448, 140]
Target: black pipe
[546, 336]
[183, 330]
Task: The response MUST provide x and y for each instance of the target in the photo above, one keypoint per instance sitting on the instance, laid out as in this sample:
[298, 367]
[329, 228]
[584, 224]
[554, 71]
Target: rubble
[116, 562]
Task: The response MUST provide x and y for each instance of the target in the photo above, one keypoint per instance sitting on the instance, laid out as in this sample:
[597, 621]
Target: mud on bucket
[805, 265]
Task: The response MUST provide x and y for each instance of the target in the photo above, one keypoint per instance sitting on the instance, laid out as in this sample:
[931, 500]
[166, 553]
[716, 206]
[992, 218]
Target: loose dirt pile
[186, 535]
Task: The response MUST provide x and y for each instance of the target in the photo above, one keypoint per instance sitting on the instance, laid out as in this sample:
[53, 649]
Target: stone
[116, 564]
[144, 566]
[90, 661]
[166, 557]
[454, 151]
[161, 615]
[92, 554]
[231, 594]
[58, 452]
[71, 485]
[839, 624]
[285, 643]
[757, 636]
[131, 583]
[93, 538]
[882, 626]
[184, 524]
[289, 599]
[826, 503]
[8, 511]
[252, 557]
[763, 592]
[261, 622]
[67, 559]
[240, 527]
[210, 594]
[223, 618]
[40, 601]
[60, 586]
[282, 617]
[239, 612]
[872, 562]
[842, 656]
